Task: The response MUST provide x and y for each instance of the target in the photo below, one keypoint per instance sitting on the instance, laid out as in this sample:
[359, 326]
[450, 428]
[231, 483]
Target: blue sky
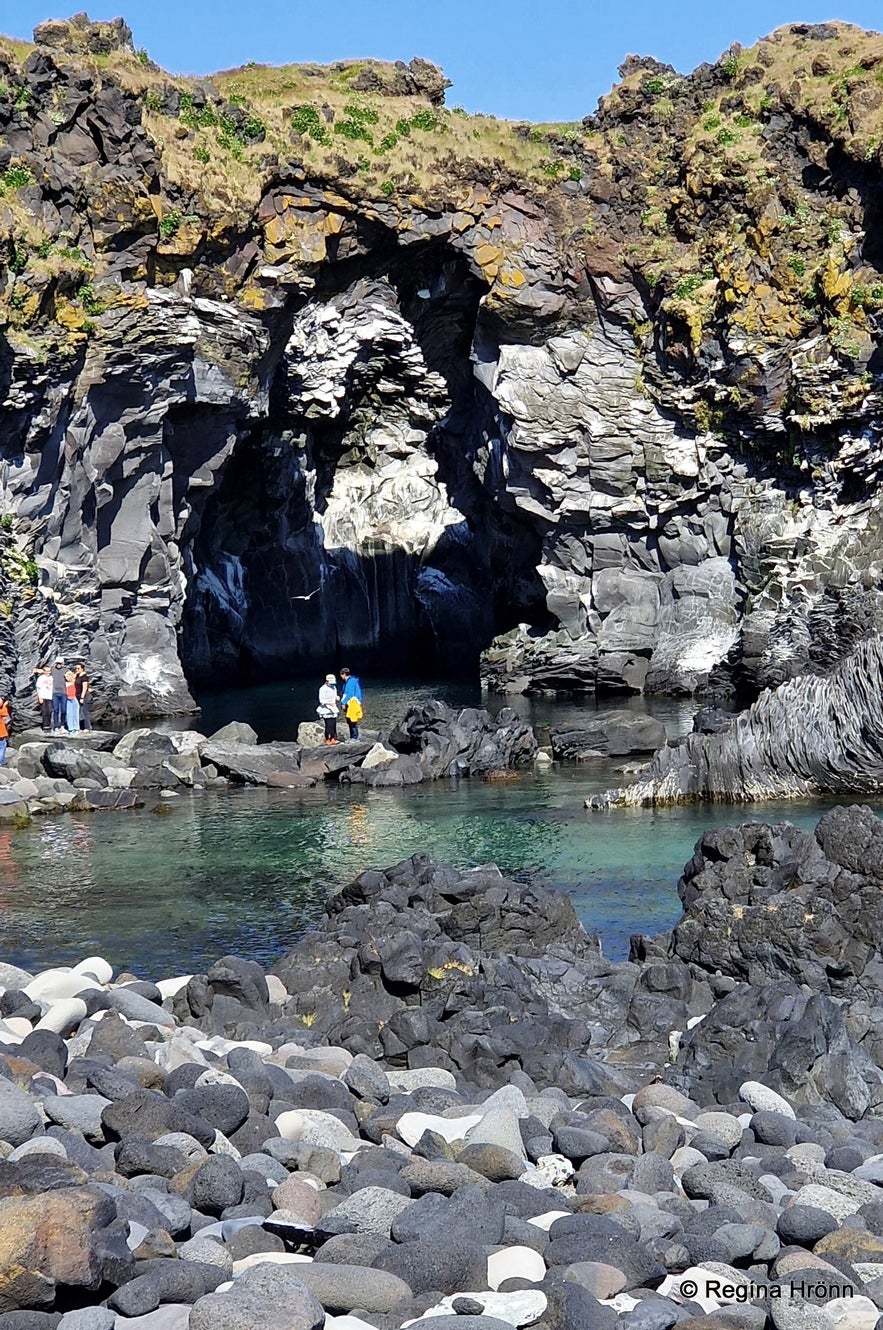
[523, 59]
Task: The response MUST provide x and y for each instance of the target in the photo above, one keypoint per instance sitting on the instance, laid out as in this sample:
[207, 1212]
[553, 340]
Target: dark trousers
[46, 713]
[85, 722]
[59, 711]
[354, 728]
[330, 727]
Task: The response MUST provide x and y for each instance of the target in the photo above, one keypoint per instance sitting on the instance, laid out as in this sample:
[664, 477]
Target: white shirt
[328, 698]
[44, 687]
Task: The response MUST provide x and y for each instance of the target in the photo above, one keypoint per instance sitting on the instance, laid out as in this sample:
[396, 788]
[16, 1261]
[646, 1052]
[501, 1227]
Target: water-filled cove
[247, 870]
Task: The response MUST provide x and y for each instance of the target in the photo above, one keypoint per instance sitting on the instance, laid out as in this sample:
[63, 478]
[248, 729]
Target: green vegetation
[15, 177]
[354, 129]
[690, 284]
[425, 120]
[366, 114]
[799, 217]
[306, 120]
[92, 302]
[170, 223]
[867, 296]
[846, 337]
[18, 566]
[232, 133]
[194, 117]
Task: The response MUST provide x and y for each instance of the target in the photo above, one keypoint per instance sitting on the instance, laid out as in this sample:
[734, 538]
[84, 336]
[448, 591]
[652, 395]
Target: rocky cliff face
[297, 361]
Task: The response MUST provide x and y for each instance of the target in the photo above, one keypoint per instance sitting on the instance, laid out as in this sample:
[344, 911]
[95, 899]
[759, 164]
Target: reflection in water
[246, 871]
[359, 825]
[276, 709]
[9, 877]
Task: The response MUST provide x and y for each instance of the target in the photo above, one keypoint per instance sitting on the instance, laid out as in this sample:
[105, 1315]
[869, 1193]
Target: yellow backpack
[354, 710]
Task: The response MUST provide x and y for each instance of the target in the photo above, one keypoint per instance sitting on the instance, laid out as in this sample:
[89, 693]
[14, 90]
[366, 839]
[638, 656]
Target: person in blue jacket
[351, 701]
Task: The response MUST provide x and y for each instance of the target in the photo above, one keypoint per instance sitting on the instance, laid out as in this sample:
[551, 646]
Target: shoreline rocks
[101, 769]
[812, 735]
[610, 734]
[446, 1102]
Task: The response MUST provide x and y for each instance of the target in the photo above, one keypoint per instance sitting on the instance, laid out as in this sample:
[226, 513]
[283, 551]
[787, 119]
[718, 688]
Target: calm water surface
[246, 871]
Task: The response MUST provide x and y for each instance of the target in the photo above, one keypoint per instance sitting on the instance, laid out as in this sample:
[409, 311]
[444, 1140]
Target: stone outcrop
[613, 734]
[604, 403]
[478, 968]
[810, 736]
[465, 743]
[99, 769]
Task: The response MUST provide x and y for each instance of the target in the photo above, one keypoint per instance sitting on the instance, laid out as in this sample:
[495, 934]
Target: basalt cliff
[297, 361]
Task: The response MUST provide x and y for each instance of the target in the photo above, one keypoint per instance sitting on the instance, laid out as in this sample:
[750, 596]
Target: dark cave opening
[275, 590]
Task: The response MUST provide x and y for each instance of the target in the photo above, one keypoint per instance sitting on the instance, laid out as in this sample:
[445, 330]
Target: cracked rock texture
[763, 754]
[255, 420]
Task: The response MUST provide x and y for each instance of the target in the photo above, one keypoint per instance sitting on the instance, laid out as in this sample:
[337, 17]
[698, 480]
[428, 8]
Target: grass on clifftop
[740, 194]
[753, 186]
[376, 144]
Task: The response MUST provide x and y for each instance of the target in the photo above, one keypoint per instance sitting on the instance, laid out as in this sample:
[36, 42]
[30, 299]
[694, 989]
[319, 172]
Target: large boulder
[71, 762]
[468, 742]
[69, 1237]
[765, 902]
[80, 36]
[249, 763]
[610, 733]
[468, 967]
[267, 1295]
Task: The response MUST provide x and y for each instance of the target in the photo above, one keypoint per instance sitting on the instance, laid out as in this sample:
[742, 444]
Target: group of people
[64, 697]
[331, 702]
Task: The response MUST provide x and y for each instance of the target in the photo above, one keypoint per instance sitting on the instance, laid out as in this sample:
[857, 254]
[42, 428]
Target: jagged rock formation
[299, 361]
[98, 769]
[810, 736]
[492, 976]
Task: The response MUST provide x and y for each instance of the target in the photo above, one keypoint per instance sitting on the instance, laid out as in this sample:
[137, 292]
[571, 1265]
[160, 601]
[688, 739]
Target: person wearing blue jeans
[351, 701]
[59, 695]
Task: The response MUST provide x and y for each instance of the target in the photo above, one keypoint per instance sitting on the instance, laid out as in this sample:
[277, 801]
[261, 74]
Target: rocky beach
[444, 1102]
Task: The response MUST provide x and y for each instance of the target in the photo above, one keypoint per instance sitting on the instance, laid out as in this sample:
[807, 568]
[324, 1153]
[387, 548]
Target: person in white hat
[329, 703]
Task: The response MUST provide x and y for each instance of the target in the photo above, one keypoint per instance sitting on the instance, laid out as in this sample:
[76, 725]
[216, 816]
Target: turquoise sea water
[246, 871]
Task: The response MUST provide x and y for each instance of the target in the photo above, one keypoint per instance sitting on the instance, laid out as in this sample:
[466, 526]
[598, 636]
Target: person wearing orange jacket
[5, 717]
